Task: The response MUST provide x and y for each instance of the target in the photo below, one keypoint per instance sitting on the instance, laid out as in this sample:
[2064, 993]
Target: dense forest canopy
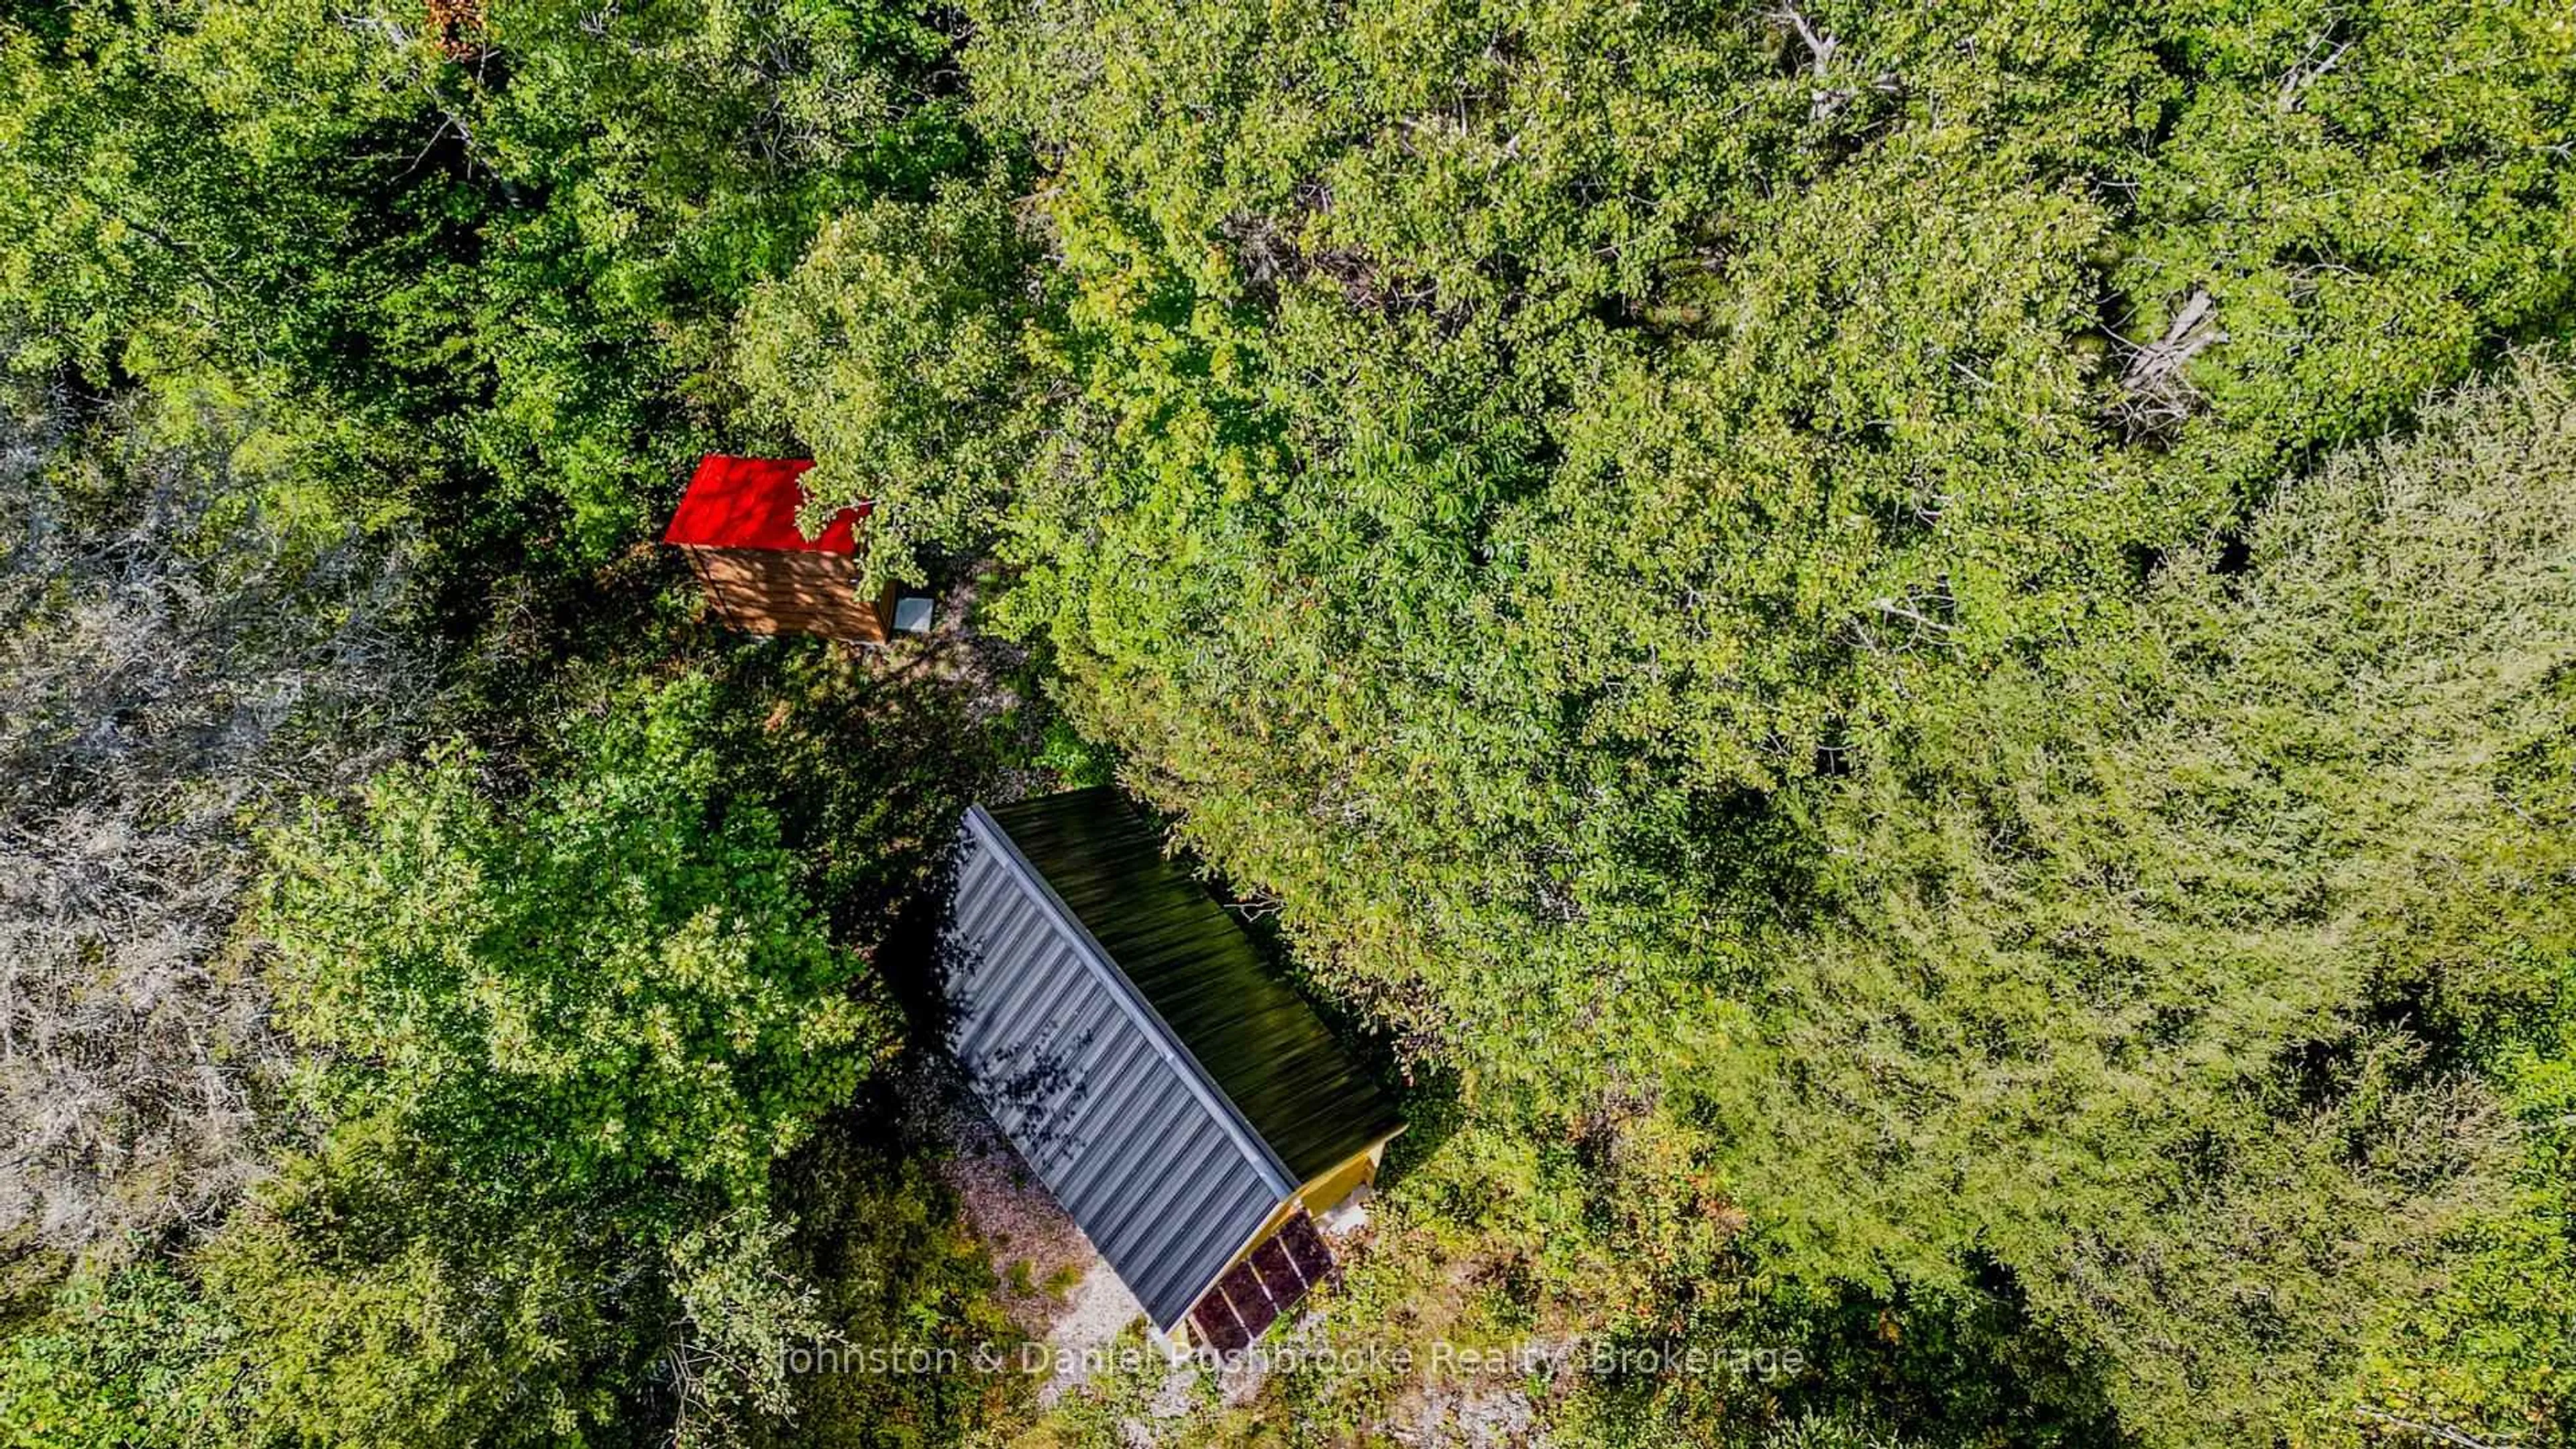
[1909, 666]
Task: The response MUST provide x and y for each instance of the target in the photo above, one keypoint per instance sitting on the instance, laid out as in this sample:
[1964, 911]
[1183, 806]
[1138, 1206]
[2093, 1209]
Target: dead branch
[1820, 45]
[2313, 64]
[2440, 1433]
[1828, 99]
[2156, 394]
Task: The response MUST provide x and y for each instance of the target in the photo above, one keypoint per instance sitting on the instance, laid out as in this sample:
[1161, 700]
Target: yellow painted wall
[1335, 1185]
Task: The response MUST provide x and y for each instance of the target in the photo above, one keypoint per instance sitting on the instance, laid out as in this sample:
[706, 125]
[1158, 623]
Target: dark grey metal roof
[1124, 1127]
[1202, 973]
[1124, 1032]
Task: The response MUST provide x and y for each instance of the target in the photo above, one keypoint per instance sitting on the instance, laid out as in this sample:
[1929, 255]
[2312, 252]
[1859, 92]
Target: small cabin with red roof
[736, 525]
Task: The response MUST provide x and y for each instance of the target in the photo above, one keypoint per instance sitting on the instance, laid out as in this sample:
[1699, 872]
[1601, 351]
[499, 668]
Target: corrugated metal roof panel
[1129, 1132]
[1256, 1039]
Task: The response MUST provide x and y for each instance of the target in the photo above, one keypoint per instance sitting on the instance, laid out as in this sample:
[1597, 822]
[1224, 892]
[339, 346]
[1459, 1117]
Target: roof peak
[1114, 978]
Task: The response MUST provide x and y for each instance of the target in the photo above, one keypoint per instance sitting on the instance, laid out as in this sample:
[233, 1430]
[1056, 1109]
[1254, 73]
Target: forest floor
[1054, 1284]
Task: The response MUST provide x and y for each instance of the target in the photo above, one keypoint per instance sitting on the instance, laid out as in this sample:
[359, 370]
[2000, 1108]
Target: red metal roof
[751, 503]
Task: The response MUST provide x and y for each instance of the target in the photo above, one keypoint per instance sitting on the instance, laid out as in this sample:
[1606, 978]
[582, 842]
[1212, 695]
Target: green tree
[613, 978]
[1487, 455]
[560, 1046]
[608, 1000]
[498, 264]
[1697, 553]
[897, 352]
[2172, 968]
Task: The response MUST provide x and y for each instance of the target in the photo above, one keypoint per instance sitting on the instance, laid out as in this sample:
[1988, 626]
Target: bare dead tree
[1261, 905]
[173, 665]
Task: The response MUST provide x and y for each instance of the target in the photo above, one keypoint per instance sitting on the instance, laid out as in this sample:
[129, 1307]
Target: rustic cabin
[736, 524]
[1187, 1108]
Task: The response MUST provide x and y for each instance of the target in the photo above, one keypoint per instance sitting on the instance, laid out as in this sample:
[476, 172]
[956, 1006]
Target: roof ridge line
[1194, 1073]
